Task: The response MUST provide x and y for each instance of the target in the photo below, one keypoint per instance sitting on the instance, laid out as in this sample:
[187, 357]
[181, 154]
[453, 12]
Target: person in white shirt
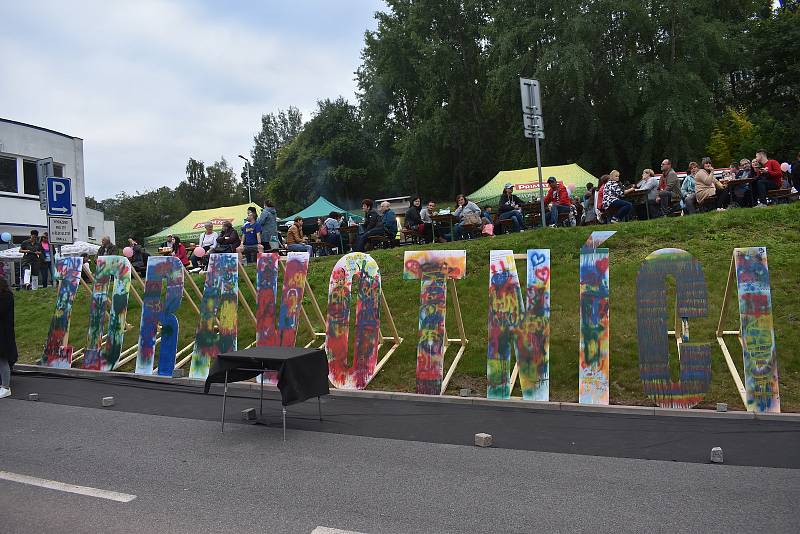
[206, 241]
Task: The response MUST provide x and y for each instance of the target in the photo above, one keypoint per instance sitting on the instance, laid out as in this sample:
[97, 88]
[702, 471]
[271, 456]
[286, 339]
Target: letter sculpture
[220, 304]
[521, 324]
[432, 268]
[651, 314]
[757, 332]
[100, 356]
[160, 269]
[277, 327]
[368, 320]
[594, 332]
[55, 353]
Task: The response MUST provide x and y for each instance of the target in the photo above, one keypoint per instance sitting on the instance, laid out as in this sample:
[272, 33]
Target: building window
[8, 174]
[91, 232]
[58, 170]
[29, 175]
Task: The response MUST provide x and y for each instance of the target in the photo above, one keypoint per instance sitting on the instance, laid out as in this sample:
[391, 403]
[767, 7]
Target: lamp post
[247, 167]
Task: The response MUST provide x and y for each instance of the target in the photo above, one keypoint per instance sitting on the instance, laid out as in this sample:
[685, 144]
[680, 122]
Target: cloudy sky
[147, 84]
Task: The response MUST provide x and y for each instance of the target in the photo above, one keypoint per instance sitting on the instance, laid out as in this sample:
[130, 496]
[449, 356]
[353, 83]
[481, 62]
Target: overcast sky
[147, 84]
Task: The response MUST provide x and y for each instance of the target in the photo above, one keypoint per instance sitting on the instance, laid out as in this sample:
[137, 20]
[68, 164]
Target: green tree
[143, 214]
[277, 131]
[210, 187]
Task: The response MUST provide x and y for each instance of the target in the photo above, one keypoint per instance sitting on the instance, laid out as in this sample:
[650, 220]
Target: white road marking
[326, 530]
[69, 488]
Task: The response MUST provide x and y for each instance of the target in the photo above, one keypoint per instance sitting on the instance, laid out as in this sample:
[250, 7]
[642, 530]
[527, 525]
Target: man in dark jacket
[32, 255]
[510, 208]
[373, 225]
[107, 248]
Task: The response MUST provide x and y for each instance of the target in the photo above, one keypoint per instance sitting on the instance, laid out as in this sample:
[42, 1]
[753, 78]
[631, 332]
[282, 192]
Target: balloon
[5, 237]
[199, 252]
[785, 167]
[127, 252]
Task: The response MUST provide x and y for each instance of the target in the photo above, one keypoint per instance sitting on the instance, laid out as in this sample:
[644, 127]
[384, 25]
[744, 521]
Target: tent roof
[191, 226]
[526, 181]
[320, 208]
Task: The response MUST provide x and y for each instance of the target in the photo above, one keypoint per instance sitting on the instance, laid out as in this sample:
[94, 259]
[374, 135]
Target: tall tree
[277, 131]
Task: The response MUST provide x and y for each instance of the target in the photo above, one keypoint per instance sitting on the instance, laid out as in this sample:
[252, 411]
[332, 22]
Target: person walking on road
[8, 341]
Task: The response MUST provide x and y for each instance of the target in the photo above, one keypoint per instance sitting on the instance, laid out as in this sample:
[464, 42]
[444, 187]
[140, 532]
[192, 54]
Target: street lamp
[247, 166]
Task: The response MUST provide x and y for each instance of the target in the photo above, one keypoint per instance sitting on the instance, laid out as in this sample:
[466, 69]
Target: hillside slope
[711, 238]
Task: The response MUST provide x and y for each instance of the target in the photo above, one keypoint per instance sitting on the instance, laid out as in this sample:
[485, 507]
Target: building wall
[97, 227]
[19, 212]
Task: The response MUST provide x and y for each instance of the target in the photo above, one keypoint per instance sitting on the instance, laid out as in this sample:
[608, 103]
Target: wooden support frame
[394, 338]
[461, 340]
[737, 379]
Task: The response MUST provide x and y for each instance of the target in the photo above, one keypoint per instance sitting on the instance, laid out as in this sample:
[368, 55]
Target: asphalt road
[188, 477]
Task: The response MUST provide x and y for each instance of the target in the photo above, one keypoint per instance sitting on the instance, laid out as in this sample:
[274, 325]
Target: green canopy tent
[526, 182]
[320, 208]
[190, 227]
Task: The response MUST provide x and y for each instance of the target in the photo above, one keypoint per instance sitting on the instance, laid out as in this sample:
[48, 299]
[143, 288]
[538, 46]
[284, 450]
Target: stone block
[107, 401]
[483, 440]
[716, 455]
[722, 406]
[249, 414]
[33, 396]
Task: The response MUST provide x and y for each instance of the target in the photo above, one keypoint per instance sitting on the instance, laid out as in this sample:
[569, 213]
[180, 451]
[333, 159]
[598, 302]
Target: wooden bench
[780, 196]
[471, 231]
[502, 227]
[319, 246]
[709, 204]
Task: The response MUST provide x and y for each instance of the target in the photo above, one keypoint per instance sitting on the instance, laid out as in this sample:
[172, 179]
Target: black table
[302, 373]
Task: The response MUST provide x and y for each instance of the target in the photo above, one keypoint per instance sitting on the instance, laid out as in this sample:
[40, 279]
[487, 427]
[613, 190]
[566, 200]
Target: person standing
[251, 237]
[107, 248]
[669, 187]
[45, 268]
[8, 340]
[295, 240]
[268, 220]
[770, 176]
[32, 256]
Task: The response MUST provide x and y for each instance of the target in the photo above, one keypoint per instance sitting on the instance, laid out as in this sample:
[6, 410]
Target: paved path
[188, 477]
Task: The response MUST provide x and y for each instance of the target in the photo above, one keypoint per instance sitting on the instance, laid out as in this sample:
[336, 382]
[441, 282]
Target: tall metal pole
[250, 199]
[541, 184]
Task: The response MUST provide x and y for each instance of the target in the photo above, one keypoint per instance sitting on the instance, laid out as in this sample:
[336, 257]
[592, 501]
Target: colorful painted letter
[160, 269]
[279, 329]
[651, 314]
[220, 304]
[756, 327]
[523, 325]
[432, 268]
[101, 356]
[55, 353]
[594, 332]
[368, 320]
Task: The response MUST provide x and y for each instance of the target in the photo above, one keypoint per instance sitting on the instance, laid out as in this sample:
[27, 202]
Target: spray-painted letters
[100, 356]
[160, 269]
[55, 353]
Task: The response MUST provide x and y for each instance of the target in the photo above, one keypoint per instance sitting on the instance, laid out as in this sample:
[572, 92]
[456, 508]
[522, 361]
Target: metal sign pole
[541, 184]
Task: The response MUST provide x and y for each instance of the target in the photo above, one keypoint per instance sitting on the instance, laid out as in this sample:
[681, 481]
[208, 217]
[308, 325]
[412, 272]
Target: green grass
[709, 237]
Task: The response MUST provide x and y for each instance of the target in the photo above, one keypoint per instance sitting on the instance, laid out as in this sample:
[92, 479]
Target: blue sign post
[59, 196]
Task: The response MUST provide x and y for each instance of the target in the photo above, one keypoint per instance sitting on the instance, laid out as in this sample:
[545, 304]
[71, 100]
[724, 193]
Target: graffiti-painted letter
[651, 315]
[756, 327]
[98, 356]
[368, 320]
[220, 305]
[56, 355]
[432, 268]
[594, 331]
[160, 269]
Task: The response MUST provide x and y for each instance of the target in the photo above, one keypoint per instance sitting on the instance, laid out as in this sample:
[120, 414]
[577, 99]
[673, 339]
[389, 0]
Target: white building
[20, 146]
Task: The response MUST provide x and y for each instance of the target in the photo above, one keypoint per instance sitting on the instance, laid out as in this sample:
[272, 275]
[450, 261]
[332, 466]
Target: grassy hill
[710, 237]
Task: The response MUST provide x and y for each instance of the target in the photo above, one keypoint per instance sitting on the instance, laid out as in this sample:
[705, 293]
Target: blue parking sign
[59, 196]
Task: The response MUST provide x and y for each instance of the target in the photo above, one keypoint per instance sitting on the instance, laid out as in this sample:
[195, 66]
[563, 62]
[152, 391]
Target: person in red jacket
[179, 251]
[558, 200]
[770, 176]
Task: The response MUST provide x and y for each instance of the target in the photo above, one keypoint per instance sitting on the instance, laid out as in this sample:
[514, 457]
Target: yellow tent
[191, 226]
[526, 181]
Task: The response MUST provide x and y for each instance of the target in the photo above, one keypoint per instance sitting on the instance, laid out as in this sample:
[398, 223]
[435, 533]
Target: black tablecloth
[302, 373]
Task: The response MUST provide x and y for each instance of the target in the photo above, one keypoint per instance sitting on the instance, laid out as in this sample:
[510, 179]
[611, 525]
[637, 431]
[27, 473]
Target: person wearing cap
[558, 199]
[510, 208]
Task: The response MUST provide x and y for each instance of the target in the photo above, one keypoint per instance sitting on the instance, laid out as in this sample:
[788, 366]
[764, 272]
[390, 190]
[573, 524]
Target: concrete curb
[434, 399]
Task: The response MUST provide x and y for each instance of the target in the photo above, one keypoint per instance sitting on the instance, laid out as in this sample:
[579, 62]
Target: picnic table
[639, 196]
[352, 235]
[447, 219]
